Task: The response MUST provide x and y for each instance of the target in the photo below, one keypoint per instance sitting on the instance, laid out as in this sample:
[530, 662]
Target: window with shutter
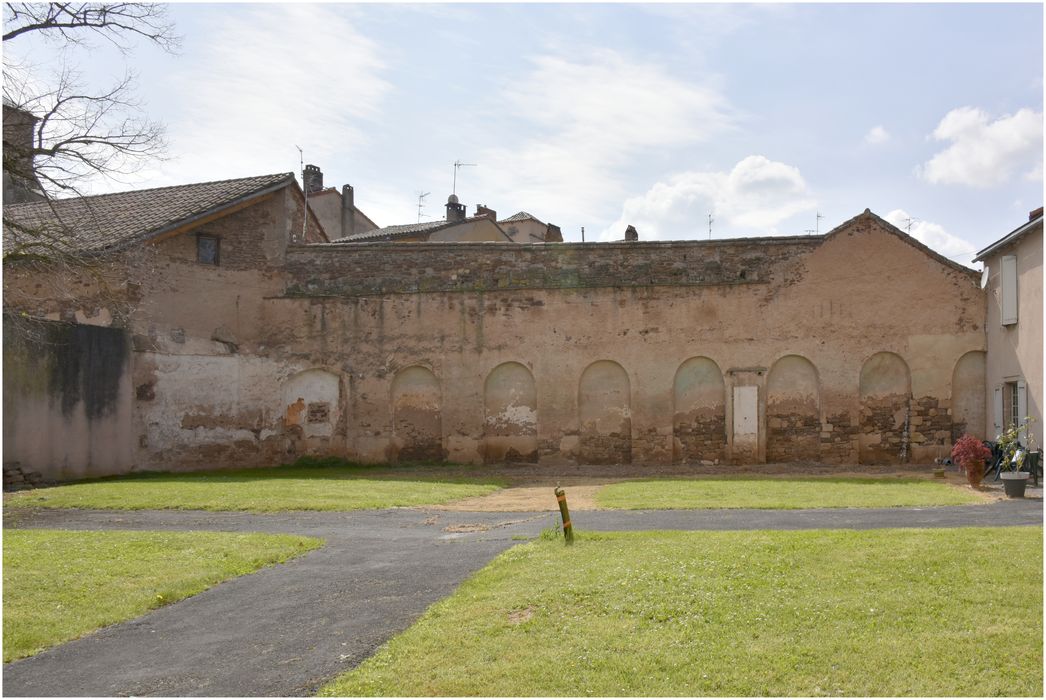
[1009, 290]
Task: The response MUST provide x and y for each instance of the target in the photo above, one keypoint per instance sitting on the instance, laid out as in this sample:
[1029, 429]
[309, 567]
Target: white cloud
[985, 153]
[934, 236]
[755, 196]
[590, 117]
[877, 135]
[281, 76]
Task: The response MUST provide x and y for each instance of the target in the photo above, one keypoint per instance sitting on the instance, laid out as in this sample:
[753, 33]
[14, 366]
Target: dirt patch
[518, 617]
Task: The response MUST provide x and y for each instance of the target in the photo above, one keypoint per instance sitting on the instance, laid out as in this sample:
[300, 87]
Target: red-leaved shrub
[971, 454]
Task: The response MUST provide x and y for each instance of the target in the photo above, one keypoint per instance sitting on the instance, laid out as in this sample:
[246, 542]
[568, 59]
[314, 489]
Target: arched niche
[510, 417]
[793, 411]
[698, 411]
[885, 392]
[312, 403]
[969, 396]
[417, 420]
[604, 414]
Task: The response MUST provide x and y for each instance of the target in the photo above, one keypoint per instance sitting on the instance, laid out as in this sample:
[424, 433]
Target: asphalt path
[286, 630]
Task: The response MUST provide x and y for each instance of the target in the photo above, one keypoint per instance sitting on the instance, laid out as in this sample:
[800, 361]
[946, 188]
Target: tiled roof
[113, 221]
[520, 216]
[403, 230]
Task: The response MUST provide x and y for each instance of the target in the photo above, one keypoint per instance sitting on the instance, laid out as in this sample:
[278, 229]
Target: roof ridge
[153, 189]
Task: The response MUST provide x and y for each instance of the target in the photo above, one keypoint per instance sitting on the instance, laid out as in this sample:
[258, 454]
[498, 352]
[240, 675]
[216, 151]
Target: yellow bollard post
[568, 529]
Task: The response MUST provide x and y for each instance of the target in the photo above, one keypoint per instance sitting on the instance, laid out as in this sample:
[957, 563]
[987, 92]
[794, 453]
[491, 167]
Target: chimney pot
[1034, 214]
[484, 210]
[312, 179]
[455, 210]
[348, 211]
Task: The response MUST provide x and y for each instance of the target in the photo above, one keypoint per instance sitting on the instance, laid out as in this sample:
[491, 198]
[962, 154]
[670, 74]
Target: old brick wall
[461, 310]
[219, 353]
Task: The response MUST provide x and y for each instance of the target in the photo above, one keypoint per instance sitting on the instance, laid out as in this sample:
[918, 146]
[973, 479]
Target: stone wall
[368, 269]
[560, 353]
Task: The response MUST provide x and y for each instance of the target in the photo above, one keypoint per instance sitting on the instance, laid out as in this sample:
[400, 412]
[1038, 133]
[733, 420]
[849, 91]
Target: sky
[772, 119]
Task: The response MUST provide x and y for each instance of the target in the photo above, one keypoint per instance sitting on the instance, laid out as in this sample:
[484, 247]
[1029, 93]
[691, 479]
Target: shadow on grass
[329, 468]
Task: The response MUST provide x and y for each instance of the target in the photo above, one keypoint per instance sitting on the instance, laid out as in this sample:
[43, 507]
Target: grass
[799, 613]
[60, 585]
[301, 486]
[781, 493]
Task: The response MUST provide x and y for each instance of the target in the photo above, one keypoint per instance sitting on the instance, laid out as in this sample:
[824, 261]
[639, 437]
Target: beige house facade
[1013, 286]
[741, 351]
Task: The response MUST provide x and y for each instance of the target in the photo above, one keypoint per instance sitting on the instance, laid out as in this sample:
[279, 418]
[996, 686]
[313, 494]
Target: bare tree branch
[113, 21]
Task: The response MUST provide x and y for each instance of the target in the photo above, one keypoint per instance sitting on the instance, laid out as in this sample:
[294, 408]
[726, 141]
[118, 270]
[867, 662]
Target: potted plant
[971, 453]
[1015, 480]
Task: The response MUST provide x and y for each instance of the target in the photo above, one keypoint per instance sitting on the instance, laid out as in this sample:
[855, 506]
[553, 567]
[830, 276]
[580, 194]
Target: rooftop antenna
[908, 224]
[304, 190]
[710, 220]
[817, 227]
[459, 164]
[421, 203]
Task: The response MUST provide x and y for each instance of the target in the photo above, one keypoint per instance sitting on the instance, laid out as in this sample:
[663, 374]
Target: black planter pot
[1015, 483]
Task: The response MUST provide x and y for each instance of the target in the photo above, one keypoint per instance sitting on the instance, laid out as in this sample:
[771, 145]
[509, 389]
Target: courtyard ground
[290, 629]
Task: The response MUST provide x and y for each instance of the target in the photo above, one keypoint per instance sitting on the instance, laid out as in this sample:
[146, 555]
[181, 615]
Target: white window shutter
[998, 410]
[1009, 290]
[1022, 402]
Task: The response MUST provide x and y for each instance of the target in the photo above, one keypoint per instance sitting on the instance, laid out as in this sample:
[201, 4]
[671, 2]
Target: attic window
[208, 249]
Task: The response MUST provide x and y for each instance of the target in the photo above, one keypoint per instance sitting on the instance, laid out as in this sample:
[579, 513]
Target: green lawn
[262, 490]
[830, 612]
[60, 585]
[781, 493]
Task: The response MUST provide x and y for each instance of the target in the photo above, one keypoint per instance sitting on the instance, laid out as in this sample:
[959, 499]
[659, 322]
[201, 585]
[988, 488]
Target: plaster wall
[1015, 351]
[67, 399]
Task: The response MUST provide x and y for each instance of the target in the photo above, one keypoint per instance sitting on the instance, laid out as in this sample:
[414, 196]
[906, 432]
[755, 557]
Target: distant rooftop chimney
[312, 179]
[553, 234]
[348, 210]
[455, 210]
[1034, 214]
[631, 234]
[484, 210]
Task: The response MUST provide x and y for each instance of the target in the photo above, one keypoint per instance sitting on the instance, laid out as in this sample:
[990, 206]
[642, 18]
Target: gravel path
[288, 629]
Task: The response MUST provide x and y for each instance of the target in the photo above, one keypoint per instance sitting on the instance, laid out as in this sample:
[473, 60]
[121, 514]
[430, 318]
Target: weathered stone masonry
[860, 345]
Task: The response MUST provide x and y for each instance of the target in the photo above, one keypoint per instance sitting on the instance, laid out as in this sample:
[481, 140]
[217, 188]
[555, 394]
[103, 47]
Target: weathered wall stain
[67, 398]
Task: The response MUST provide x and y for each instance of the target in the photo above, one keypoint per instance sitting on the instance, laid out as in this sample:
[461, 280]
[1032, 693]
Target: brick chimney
[455, 210]
[348, 211]
[1034, 214]
[483, 210]
[553, 234]
[631, 234]
[312, 179]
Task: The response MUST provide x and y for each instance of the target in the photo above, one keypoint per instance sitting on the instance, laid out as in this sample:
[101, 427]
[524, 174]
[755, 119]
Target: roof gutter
[1008, 238]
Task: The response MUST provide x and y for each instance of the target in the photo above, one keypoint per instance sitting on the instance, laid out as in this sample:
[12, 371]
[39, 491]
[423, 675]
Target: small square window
[207, 249]
[319, 412]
